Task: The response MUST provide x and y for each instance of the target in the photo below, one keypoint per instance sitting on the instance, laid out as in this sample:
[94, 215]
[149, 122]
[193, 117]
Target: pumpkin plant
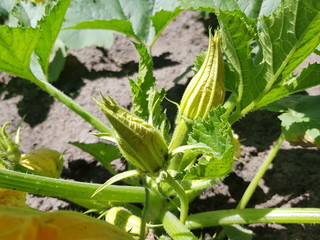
[248, 65]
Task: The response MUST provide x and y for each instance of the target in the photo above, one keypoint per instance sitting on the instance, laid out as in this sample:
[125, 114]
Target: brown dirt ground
[291, 181]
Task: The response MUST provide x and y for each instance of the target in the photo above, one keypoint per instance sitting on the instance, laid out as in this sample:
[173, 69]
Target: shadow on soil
[35, 104]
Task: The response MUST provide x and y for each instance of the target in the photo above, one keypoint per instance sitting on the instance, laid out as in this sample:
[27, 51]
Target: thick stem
[71, 189]
[94, 121]
[250, 216]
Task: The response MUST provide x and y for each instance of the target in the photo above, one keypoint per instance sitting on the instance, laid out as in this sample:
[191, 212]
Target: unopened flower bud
[206, 88]
[140, 143]
[43, 161]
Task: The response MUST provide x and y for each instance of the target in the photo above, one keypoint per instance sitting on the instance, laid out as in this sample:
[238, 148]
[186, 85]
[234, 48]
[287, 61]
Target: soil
[291, 181]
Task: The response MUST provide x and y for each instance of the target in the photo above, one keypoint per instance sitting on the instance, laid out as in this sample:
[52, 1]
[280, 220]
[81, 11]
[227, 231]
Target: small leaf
[158, 117]
[215, 141]
[102, 152]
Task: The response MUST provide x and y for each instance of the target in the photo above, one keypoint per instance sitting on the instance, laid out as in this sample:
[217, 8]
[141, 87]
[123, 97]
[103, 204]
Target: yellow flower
[29, 224]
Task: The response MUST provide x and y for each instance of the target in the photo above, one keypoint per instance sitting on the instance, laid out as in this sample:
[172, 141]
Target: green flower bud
[206, 88]
[140, 143]
[9, 151]
[43, 161]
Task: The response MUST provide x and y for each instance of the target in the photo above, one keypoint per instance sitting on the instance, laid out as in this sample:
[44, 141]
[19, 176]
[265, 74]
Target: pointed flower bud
[43, 161]
[9, 149]
[140, 143]
[206, 88]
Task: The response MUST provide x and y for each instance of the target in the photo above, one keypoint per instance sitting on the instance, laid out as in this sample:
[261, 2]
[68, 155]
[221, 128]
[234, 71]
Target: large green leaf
[16, 47]
[300, 121]
[308, 78]
[252, 8]
[28, 13]
[24, 48]
[140, 19]
[81, 38]
[50, 27]
[213, 140]
[280, 43]
[6, 7]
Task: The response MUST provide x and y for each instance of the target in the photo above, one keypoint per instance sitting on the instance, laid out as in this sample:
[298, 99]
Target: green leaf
[308, 78]
[215, 142]
[56, 66]
[28, 13]
[140, 19]
[237, 232]
[197, 63]
[157, 116]
[102, 152]
[146, 99]
[18, 45]
[252, 8]
[145, 82]
[300, 121]
[50, 27]
[278, 46]
[81, 38]
[6, 7]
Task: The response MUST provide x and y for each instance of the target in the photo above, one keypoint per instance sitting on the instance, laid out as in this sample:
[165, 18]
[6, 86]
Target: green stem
[144, 216]
[175, 228]
[49, 88]
[179, 138]
[262, 170]
[184, 201]
[250, 216]
[71, 189]
[255, 181]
